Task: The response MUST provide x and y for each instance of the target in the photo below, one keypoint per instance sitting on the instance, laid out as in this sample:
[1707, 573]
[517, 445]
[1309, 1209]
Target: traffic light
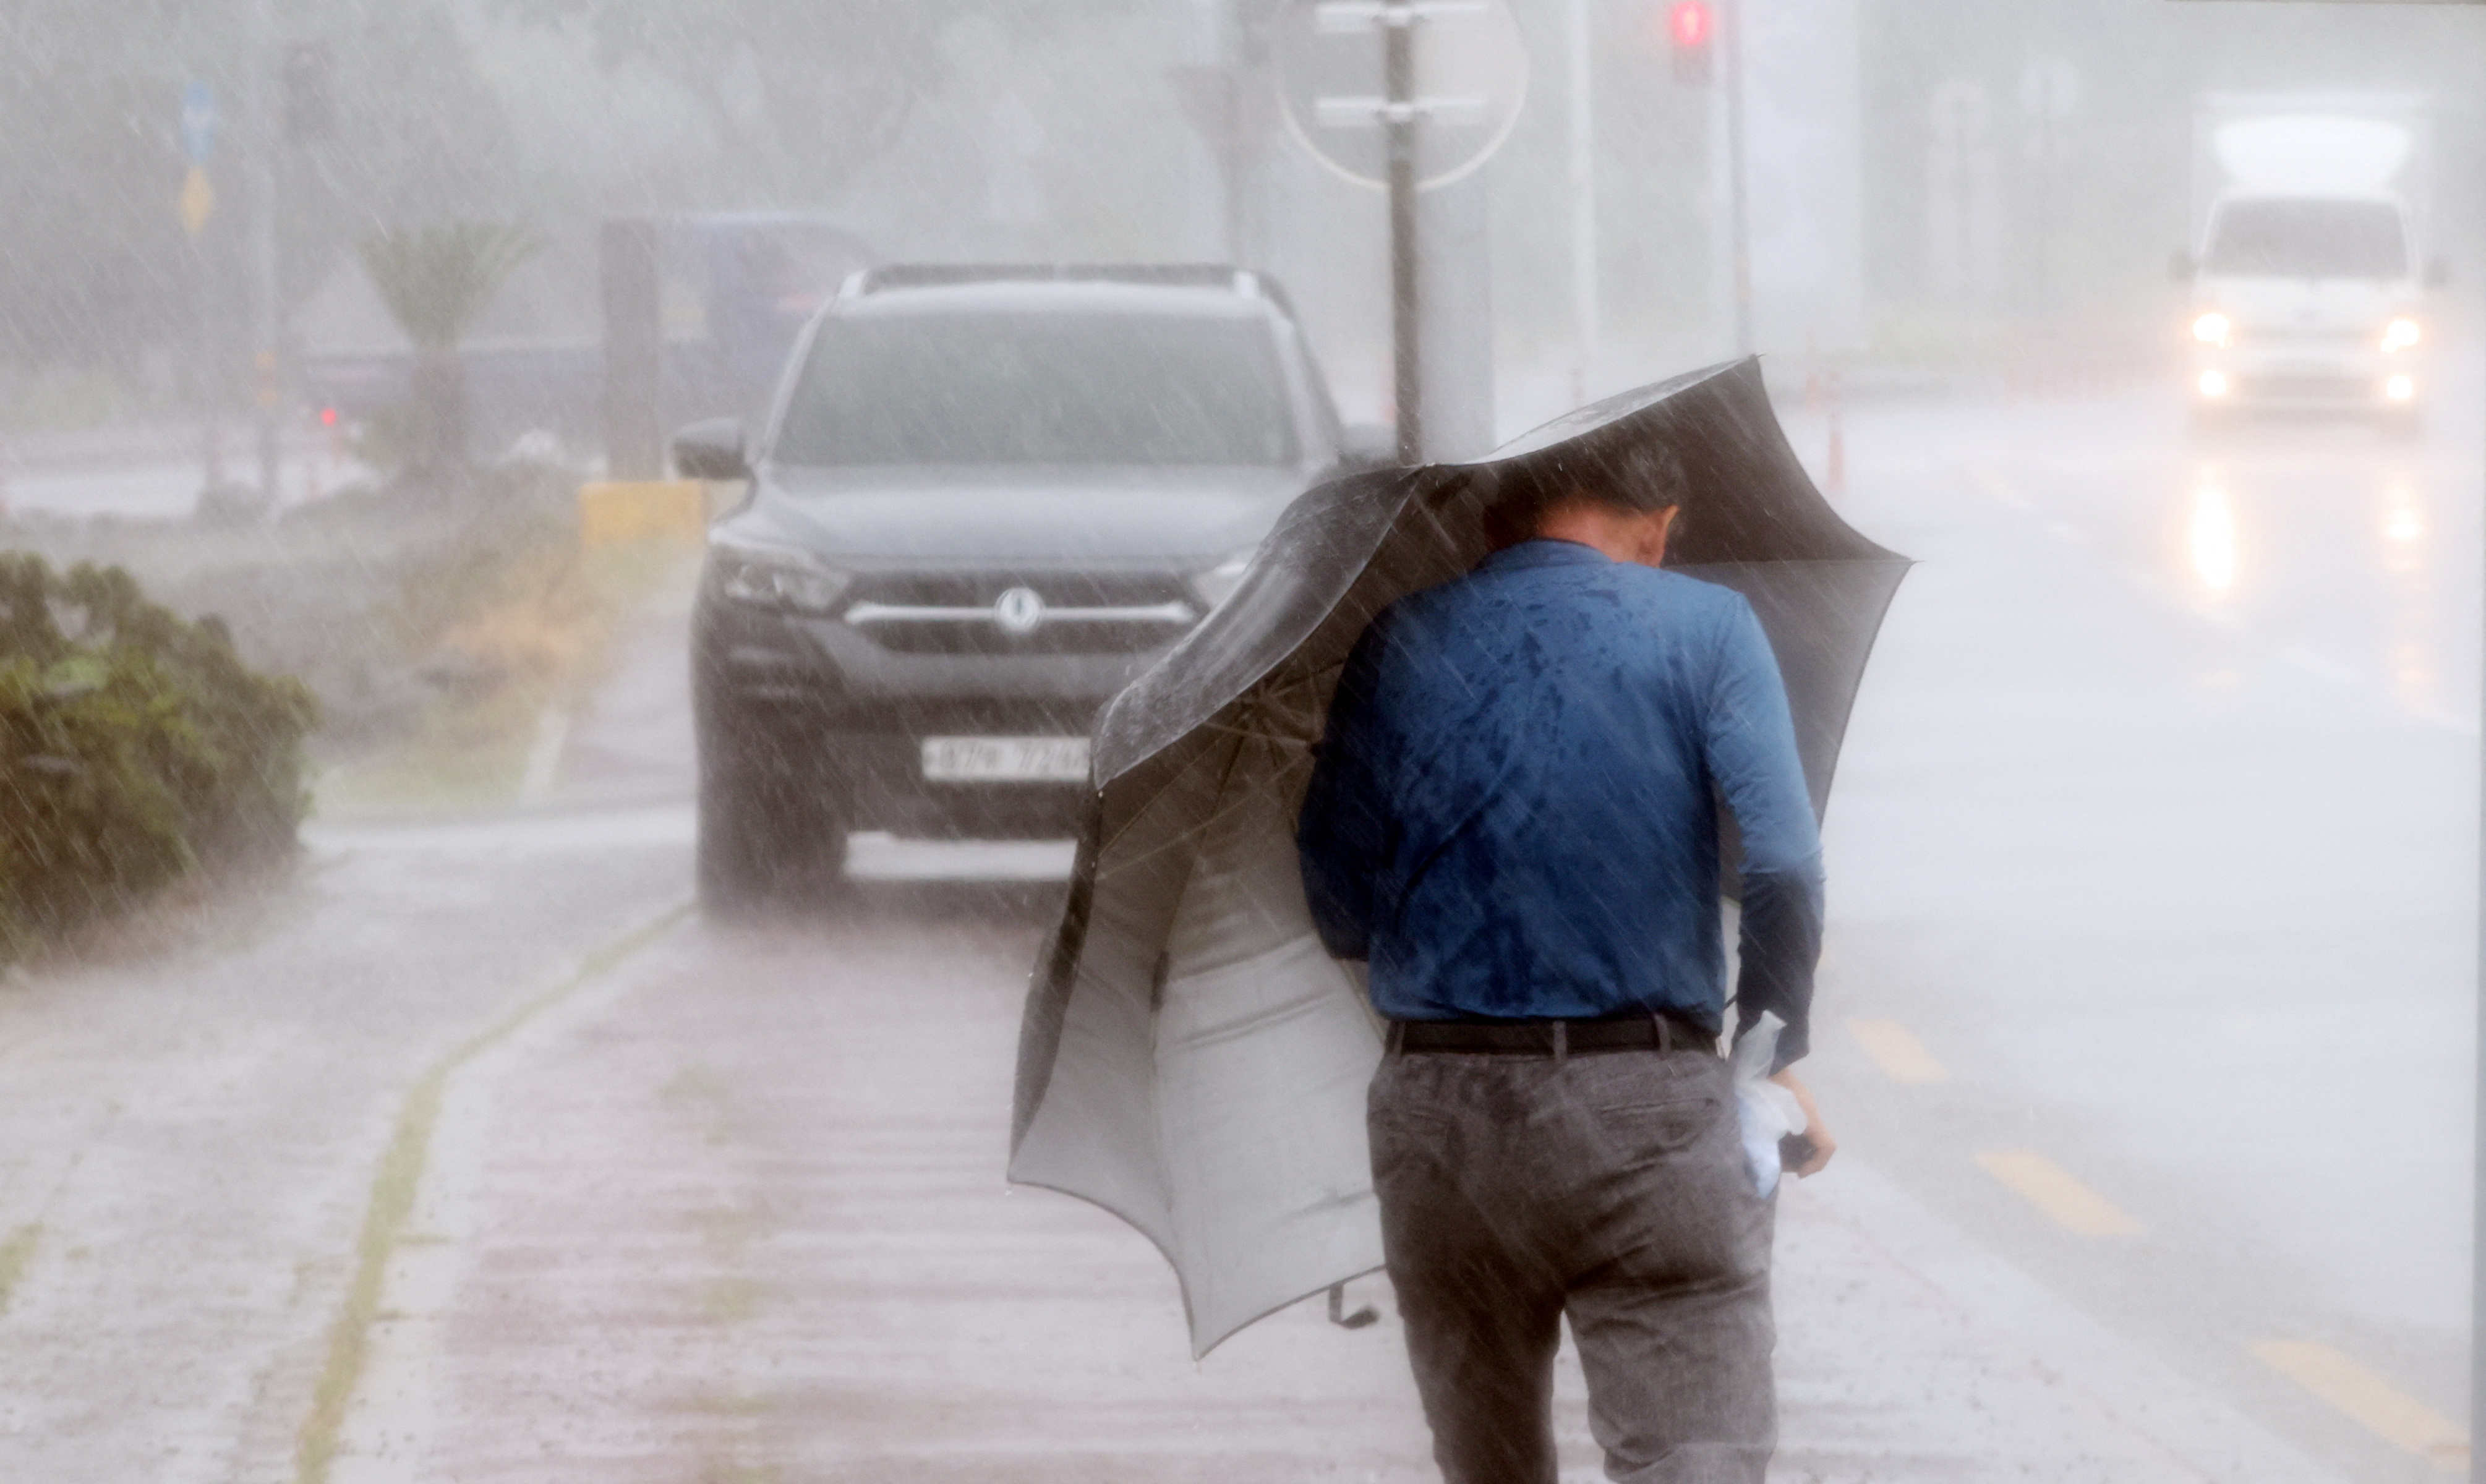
[1691, 36]
[310, 101]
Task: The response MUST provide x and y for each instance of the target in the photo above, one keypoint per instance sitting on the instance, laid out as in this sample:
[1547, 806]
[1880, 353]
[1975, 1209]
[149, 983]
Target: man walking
[1513, 818]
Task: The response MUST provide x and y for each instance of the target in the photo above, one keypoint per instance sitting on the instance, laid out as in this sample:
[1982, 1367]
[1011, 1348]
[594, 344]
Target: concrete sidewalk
[736, 1212]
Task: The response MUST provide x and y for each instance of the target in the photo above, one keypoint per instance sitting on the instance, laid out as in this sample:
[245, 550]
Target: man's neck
[1620, 536]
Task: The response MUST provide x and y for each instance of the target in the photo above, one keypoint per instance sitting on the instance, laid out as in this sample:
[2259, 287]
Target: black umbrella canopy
[1190, 1059]
[1751, 500]
[1348, 549]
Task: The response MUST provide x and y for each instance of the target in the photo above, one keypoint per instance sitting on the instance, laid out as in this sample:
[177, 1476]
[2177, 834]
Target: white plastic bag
[1767, 1111]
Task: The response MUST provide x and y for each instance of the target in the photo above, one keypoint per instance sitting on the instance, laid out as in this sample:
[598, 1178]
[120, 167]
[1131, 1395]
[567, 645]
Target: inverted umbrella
[1190, 1059]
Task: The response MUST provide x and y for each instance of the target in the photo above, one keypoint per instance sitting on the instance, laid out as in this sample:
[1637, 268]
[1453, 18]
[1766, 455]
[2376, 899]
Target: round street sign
[1471, 77]
[198, 121]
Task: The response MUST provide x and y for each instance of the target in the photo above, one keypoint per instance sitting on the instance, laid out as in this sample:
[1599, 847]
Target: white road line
[543, 755]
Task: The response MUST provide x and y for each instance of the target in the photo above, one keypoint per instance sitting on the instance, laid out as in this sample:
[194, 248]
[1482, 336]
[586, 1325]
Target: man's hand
[1818, 1132]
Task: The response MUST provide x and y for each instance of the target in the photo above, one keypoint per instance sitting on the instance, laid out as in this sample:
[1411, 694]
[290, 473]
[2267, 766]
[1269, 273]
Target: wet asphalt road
[2146, 1023]
[2154, 872]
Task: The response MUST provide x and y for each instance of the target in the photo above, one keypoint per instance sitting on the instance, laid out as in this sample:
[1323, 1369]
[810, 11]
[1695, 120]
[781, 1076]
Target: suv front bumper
[853, 716]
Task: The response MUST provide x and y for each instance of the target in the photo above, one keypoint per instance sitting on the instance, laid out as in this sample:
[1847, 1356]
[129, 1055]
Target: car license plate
[1005, 759]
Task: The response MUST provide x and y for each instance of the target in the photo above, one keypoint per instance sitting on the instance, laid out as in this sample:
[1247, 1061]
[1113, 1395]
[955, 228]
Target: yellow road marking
[2046, 1186]
[1900, 1056]
[2397, 1417]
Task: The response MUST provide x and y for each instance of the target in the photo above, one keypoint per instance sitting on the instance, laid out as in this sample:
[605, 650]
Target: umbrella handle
[1339, 1316]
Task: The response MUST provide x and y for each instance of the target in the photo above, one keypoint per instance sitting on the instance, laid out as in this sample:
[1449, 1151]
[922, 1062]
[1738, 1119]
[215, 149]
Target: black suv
[987, 499]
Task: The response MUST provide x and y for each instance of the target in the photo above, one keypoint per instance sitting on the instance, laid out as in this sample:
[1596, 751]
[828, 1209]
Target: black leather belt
[1552, 1037]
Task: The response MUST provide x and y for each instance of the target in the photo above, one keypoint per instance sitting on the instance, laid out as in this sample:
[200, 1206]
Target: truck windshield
[1039, 389]
[2308, 238]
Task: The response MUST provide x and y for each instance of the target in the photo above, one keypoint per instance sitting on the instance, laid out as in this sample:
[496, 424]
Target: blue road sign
[198, 121]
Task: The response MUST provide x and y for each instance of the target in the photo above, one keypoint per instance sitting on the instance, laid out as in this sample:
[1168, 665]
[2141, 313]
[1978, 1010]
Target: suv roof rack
[1173, 275]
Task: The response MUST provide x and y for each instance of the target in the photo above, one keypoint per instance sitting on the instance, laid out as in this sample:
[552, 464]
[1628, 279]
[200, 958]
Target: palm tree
[435, 280]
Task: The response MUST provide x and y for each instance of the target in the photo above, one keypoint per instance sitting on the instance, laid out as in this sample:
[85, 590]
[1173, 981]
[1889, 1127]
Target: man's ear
[1663, 524]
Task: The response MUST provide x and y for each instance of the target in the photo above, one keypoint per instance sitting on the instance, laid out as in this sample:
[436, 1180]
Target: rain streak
[1202, 740]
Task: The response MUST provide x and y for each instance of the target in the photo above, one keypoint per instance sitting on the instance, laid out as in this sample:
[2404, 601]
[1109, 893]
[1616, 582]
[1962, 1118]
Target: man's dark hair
[1634, 477]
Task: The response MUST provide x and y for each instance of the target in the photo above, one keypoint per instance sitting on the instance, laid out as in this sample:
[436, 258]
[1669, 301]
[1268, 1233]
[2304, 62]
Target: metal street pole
[206, 383]
[2477, 1181]
[196, 204]
[1584, 206]
[267, 135]
[1398, 97]
[1479, 73]
[1730, 17]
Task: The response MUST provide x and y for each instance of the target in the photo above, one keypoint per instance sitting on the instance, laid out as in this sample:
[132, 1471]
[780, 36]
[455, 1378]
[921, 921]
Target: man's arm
[1753, 756]
[1343, 836]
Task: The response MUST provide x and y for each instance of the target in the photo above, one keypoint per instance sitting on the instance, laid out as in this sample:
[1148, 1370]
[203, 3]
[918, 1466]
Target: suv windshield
[1039, 389]
[2308, 238]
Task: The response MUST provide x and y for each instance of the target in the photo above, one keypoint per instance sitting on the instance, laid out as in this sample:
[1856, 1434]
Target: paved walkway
[737, 1213]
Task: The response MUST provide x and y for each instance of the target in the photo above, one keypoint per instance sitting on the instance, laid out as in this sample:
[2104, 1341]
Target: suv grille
[1073, 613]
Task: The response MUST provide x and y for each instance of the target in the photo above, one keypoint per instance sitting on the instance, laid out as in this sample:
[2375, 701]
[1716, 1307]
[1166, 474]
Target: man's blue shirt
[1512, 814]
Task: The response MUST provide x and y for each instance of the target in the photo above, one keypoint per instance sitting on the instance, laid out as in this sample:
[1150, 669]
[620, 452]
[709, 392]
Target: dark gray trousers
[1609, 1187]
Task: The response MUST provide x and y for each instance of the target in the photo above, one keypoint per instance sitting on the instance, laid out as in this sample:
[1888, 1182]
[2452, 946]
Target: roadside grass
[63, 400]
[204, 911]
[516, 628]
[17, 1251]
[393, 1192]
[395, 1187]
[730, 1300]
[440, 628]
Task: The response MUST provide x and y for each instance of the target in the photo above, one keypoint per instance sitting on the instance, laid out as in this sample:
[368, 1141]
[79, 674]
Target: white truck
[2308, 265]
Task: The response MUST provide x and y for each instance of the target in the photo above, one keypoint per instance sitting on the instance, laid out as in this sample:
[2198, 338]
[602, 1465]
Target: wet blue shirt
[1512, 814]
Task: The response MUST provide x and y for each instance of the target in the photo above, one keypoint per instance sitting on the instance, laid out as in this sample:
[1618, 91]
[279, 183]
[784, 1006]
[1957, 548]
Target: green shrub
[135, 747]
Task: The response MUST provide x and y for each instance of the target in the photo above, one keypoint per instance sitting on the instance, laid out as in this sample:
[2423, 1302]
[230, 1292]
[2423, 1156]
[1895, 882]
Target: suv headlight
[1218, 584]
[2400, 334]
[776, 577]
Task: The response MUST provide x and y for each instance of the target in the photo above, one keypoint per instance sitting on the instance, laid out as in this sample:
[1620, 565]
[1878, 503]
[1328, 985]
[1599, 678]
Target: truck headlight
[1218, 584]
[2212, 329]
[776, 577]
[2400, 334]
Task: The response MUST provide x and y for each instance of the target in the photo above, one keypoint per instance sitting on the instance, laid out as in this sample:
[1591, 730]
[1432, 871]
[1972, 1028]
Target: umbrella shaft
[1399, 80]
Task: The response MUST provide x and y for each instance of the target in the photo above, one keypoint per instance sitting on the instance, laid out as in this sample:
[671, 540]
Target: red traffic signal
[1691, 33]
